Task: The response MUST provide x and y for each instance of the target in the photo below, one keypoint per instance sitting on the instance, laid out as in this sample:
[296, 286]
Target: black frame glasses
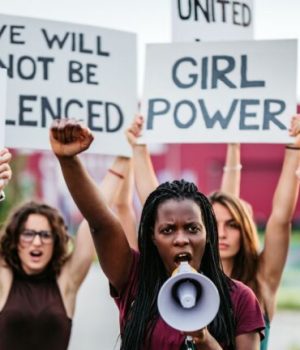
[27, 236]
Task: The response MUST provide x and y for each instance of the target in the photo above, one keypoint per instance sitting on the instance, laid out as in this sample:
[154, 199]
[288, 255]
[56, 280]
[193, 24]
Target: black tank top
[34, 317]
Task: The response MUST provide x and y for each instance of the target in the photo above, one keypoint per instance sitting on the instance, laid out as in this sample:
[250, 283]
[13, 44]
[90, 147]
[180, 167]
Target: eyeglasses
[27, 236]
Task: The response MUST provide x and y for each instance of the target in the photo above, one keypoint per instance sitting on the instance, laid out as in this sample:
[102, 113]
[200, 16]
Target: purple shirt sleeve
[125, 299]
[247, 311]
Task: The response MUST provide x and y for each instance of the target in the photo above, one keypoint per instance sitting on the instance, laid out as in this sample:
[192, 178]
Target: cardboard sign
[212, 20]
[68, 70]
[220, 92]
[2, 105]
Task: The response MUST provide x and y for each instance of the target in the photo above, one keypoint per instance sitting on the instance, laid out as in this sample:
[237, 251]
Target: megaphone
[188, 301]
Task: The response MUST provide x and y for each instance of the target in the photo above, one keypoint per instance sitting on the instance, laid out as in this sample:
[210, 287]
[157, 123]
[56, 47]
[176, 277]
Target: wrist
[67, 161]
[293, 147]
[237, 167]
[140, 149]
[116, 173]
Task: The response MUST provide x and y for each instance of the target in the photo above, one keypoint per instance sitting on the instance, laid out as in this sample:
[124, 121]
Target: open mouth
[36, 253]
[182, 257]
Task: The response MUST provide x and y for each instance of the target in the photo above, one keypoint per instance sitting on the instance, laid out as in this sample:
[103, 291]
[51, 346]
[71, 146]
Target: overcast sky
[151, 19]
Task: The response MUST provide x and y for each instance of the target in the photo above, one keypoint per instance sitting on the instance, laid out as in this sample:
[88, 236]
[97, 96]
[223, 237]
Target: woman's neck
[227, 266]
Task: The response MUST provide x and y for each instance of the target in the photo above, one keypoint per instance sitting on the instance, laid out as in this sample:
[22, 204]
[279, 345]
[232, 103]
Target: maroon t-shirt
[246, 309]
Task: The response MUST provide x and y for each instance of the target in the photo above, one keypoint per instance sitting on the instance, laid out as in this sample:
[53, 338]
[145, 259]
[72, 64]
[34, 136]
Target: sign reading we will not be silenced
[220, 92]
[2, 105]
[212, 20]
[68, 70]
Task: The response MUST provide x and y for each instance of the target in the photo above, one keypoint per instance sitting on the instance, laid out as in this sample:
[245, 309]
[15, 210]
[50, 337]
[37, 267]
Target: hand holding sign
[69, 137]
[135, 130]
[294, 129]
[5, 170]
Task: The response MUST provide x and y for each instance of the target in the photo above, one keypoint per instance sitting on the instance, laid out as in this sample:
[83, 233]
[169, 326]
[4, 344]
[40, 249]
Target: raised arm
[68, 138]
[231, 179]
[144, 174]
[78, 265]
[123, 204]
[114, 179]
[274, 254]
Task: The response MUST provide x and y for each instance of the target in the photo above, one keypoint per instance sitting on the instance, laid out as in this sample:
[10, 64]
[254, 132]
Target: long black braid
[143, 314]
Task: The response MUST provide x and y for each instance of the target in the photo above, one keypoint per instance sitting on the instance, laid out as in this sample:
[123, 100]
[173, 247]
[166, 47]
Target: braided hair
[143, 314]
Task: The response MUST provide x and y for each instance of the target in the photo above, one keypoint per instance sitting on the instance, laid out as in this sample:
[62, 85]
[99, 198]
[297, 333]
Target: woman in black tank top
[40, 277]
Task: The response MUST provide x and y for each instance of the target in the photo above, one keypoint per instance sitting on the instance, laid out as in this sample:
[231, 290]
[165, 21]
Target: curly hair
[142, 315]
[245, 264]
[14, 226]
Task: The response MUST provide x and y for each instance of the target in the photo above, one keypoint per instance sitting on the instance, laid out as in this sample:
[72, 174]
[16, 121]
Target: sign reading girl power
[212, 20]
[67, 70]
[220, 92]
[2, 105]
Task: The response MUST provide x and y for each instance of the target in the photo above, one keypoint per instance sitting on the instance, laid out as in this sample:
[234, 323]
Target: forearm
[287, 189]
[278, 228]
[85, 192]
[114, 179]
[145, 177]
[123, 205]
[231, 178]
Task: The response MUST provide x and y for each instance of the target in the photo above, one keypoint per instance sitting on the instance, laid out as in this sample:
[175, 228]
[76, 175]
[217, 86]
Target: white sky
[151, 19]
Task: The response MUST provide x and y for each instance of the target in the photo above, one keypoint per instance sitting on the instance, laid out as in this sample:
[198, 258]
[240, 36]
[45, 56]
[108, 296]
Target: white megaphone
[188, 301]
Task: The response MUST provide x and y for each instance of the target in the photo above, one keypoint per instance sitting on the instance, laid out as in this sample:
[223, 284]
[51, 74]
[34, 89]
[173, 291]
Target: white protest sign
[2, 105]
[220, 92]
[212, 20]
[58, 69]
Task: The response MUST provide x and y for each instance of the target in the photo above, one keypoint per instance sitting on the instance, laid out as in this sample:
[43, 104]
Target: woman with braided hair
[177, 223]
[241, 257]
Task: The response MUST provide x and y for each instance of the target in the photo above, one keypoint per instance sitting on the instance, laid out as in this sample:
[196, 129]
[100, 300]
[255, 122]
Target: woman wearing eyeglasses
[39, 279]
[40, 276]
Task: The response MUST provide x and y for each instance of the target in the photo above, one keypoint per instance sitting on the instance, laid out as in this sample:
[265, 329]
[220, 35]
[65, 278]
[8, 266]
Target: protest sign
[212, 20]
[220, 92]
[58, 69]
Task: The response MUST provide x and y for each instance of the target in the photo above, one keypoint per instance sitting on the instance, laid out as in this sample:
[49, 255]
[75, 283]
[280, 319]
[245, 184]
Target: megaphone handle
[189, 344]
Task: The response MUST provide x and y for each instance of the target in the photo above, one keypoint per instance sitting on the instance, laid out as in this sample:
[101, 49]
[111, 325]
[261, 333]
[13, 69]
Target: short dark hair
[15, 224]
[142, 315]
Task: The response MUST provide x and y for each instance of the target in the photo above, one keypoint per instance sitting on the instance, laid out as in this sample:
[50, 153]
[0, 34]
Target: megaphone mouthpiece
[187, 294]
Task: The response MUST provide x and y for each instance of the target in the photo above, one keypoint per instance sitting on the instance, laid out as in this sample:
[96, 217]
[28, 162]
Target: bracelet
[292, 147]
[116, 173]
[232, 168]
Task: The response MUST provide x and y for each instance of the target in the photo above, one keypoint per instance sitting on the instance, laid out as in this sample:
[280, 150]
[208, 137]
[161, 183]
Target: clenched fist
[69, 137]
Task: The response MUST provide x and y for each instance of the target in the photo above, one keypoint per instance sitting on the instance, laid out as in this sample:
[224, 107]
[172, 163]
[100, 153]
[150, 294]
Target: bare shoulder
[6, 278]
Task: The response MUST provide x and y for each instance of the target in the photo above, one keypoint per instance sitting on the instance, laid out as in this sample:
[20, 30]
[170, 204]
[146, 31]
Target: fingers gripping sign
[135, 130]
[295, 125]
[69, 137]
[5, 170]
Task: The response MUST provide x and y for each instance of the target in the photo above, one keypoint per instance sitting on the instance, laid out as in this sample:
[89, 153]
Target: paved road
[95, 324]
